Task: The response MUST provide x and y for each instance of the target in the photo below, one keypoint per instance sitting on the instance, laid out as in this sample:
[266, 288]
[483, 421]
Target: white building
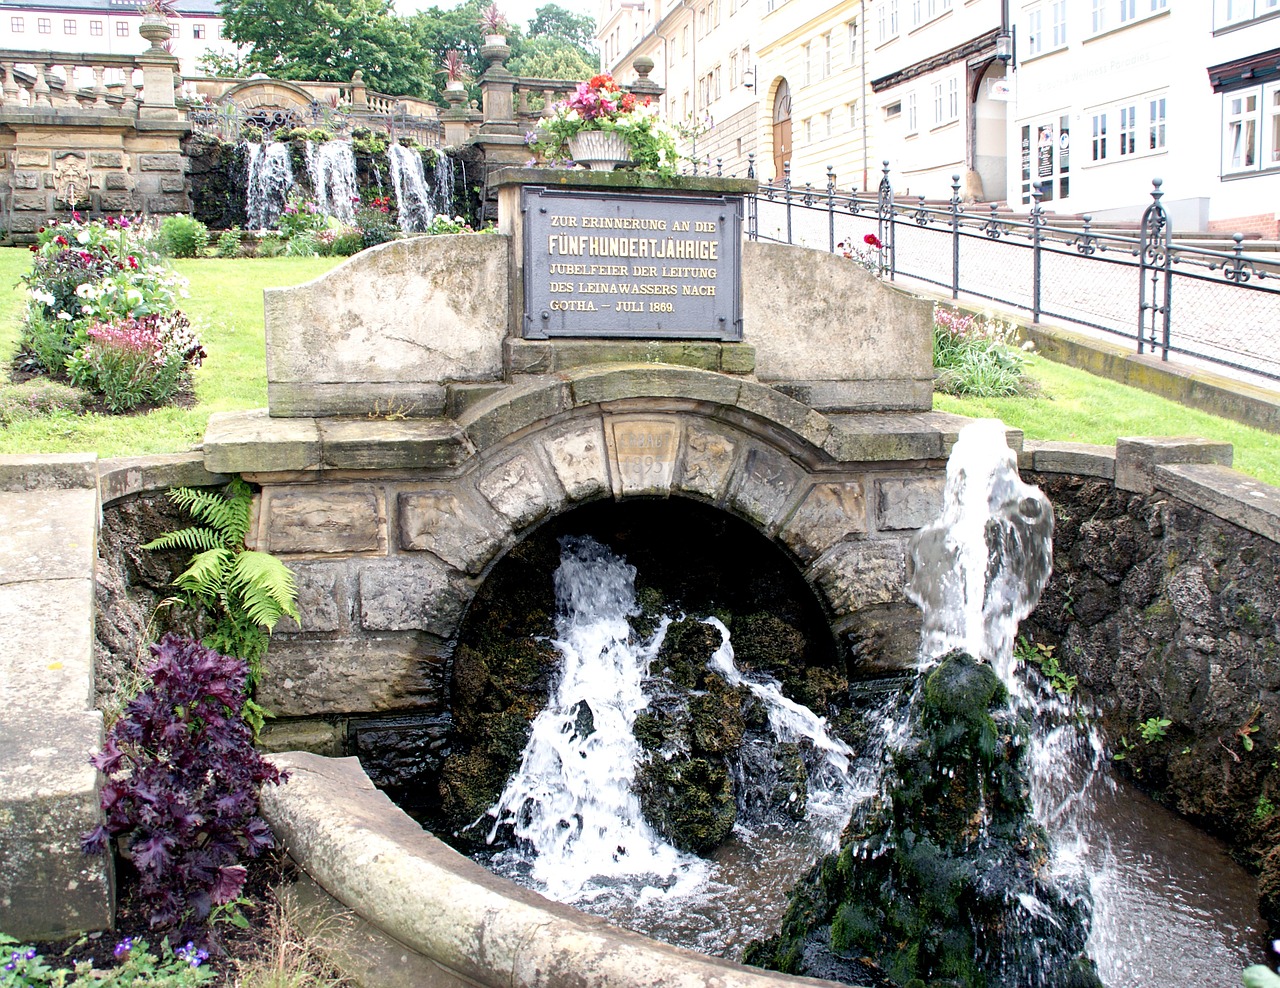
[109, 27]
[1109, 94]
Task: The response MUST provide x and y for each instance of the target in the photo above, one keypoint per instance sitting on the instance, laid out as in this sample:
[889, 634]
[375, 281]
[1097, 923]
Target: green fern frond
[265, 587]
[195, 539]
[226, 513]
[207, 575]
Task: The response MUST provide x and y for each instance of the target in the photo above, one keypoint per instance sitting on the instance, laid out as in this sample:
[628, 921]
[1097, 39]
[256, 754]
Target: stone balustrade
[76, 83]
[544, 93]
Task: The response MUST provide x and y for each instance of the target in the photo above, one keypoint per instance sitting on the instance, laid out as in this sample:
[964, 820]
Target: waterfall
[413, 200]
[269, 180]
[579, 832]
[331, 166]
[442, 184]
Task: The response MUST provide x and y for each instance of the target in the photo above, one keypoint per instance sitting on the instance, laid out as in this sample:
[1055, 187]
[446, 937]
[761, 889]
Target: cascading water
[579, 831]
[270, 177]
[331, 167]
[413, 200]
[442, 184]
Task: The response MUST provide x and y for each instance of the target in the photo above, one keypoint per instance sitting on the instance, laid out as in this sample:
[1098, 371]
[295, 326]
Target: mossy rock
[715, 718]
[763, 641]
[687, 800]
[685, 650]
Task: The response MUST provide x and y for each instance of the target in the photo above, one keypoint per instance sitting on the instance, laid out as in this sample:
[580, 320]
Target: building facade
[110, 27]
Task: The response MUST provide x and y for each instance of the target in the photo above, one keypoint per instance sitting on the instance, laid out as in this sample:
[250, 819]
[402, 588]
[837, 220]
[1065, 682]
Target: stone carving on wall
[71, 180]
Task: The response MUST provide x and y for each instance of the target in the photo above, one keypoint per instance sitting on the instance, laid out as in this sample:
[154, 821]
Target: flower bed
[103, 313]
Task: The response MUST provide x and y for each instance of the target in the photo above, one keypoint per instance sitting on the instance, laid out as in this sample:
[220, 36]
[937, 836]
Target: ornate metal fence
[1224, 303]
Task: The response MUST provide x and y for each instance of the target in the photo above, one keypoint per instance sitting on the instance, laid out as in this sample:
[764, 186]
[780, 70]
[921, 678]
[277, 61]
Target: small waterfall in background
[413, 199]
[331, 166]
[442, 184]
[269, 180]
[580, 834]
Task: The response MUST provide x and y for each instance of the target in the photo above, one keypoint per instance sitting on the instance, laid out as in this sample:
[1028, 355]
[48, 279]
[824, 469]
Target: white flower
[66, 316]
[83, 237]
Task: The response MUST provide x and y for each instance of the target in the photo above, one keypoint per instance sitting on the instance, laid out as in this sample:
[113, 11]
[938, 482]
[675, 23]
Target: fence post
[955, 236]
[751, 164]
[753, 202]
[786, 194]
[1155, 260]
[1037, 238]
[884, 221]
[831, 210]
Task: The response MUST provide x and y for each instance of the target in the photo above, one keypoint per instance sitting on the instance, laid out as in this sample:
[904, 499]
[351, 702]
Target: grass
[226, 305]
[1076, 406]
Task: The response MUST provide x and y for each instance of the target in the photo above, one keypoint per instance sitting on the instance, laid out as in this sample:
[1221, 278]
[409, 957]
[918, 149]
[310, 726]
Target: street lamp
[1004, 46]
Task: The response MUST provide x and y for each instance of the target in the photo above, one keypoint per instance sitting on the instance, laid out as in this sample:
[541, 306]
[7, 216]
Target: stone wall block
[905, 504]
[25, 224]
[763, 489]
[119, 203]
[463, 531]
[323, 597]
[173, 183]
[1137, 458]
[517, 489]
[706, 463]
[31, 200]
[579, 462]
[829, 513]
[106, 159]
[350, 675]
[25, 180]
[642, 454]
[31, 158]
[855, 575]
[312, 521]
[115, 181]
[160, 162]
[413, 594]
[168, 203]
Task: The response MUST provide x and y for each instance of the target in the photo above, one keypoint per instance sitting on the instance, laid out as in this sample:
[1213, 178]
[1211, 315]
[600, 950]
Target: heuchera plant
[182, 783]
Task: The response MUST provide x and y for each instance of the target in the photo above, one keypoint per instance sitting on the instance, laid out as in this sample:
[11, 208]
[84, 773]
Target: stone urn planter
[599, 150]
[155, 28]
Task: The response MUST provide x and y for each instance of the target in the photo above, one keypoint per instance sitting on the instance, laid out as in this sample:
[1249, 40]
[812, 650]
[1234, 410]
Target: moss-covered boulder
[932, 884]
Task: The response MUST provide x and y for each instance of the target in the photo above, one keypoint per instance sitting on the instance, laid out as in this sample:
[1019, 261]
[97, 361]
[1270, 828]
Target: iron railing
[1227, 302]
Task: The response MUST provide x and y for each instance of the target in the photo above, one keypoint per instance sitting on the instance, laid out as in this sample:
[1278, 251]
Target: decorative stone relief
[643, 451]
[579, 462]
[463, 534]
[708, 460]
[858, 574]
[909, 503]
[516, 489]
[830, 513]
[71, 180]
[322, 597]
[765, 485]
[331, 521]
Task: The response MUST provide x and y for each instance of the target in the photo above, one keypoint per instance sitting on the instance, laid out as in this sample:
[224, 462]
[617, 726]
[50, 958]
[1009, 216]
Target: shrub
[39, 399]
[302, 245]
[229, 242]
[270, 246]
[132, 361]
[346, 242]
[976, 356]
[182, 780]
[300, 216]
[443, 224]
[183, 236]
[135, 965]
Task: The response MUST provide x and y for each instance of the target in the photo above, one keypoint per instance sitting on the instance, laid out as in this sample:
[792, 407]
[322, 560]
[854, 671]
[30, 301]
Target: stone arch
[413, 547]
[255, 94]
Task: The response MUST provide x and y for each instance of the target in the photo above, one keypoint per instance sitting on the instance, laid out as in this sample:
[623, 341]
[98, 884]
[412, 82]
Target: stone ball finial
[357, 76]
[643, 65]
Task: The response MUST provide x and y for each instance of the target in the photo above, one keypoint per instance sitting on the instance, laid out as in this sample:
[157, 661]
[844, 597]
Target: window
[887, 20]
[851, 30]
[15, 25]
[684, 40]
[95, 28]
[826, 123]
[826, 55]
[1156, 135]
[1035, 39]
[853, 115]
[1128, 130]
[1128, 10]
[1240, 150]
[937, 103]
[68, 25]
[1273, 126]
[893, 109]
[917, 12]
[911, 113]
[1059, 10]
[808, 130]
[1098, 22]
[733, 70]
[174, 32]
[122, 29]
[44, 25]
[953, 99]
[1229, 12]
[1099, 137]
[808, 71]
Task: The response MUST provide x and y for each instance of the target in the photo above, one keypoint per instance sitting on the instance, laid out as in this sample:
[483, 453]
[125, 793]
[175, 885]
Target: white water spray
[413, 200]
[578, 823]
[331, 167]
[270, 178]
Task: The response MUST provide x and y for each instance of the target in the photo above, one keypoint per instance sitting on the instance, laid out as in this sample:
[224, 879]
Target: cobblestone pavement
[1223, 323]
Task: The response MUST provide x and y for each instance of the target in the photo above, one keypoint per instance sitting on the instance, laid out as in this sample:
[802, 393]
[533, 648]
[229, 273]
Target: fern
[246, 592]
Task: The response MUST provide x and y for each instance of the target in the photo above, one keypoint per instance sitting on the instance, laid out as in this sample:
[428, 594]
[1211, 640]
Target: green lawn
[226, 306]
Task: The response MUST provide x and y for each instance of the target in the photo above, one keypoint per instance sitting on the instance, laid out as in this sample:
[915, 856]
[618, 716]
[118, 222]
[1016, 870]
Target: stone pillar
[458, 118]
[359, 99]
[497, 87]
[644, 86]
[157, 86]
